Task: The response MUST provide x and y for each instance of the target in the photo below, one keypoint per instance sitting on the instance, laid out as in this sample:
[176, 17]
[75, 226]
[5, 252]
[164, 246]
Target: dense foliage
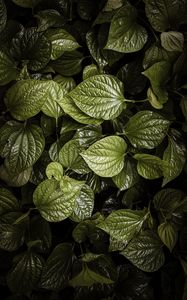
[93, 128]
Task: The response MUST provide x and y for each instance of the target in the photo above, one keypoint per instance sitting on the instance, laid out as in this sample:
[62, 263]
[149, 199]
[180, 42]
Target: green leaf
[26, 3]
[69, 157]
[146, 129]
[168, 234]
[106, 156]
[100, 96]
[21, 145]
[12, 236]
[90, 71]
[84, 204]
[149, 166]
[61, 41]
[69, 64]
[123, 224]
[145, 252]
[26, 98]
[49, 18]
[127, 177]
[8, 202]
[175, 156]
[125, 34]
[25, 273]
[16, 180]
[8, 71]
[165, 14]
[73, 111]
[87, 135]
[87, 278]
[32, 47]
[3, 15]
[159, 74]
[66, 83]
[57, 269]
[172, 41]
[52, 203]
[153, 100]
[54, 169]
[51, 106]
[183, 105]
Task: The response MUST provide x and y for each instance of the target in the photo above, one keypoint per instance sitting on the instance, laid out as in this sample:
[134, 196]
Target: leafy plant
[93, 184]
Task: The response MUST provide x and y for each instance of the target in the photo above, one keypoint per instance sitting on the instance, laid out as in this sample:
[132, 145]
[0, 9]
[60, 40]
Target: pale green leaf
[100, 96]
[125, 34]
[54, 169]
[168, 234]
[172, 41]
[8, 71]
[153, 100]
[61, 41]
[145, 252]
[106, 156]
[123, 224]
[21, 145]
[149, 166]
[146, 129]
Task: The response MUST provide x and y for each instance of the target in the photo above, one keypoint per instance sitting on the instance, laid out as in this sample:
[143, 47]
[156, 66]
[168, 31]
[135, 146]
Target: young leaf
[8, 202]
[145, 252]
[84, 204]
[175, 156]
[162, 14]
[3, 15]
[69, 157]
[54, 169]
[146, 129]
[8, 71]
[61, 41]
[125, 34]
[50, 200]
[149, 166]
[172, 41]
[106, 156]
[127, 177]
[100, 96]
[21, 145]
[73, 111]
[25, 273]
[123, 224]
[168, 234]
[26, 98]
[57, 269]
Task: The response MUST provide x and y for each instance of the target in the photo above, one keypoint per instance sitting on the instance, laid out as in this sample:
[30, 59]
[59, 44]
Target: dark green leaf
[172, 41]
[69, 64]
[26, 3]
[8, 202]
[168, 234]
[3, 15]
[8, 71]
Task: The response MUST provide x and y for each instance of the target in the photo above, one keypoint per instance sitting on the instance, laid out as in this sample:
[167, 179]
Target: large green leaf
[100, 96]
[51, 106]
[146, 129]
[8, 71]
[32, 46]
[123, 224]
[73, 111]
[145, 252]
[175, 156]
[69, 157]
[26, 98]
[26, 3]
[61, 41]
[57, 269]
[149, 166]
[127, 177]
[125, 34]
[21, 145]
[8, 202]
[25, 273]
[106, 156]
[51, 201]
[165, 14]
[168, 234]
[159, 74]
[172, 41]
[3, 15]
[84, 204]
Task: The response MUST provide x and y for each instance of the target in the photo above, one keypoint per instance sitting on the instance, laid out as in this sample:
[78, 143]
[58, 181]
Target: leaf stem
[136, 101]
